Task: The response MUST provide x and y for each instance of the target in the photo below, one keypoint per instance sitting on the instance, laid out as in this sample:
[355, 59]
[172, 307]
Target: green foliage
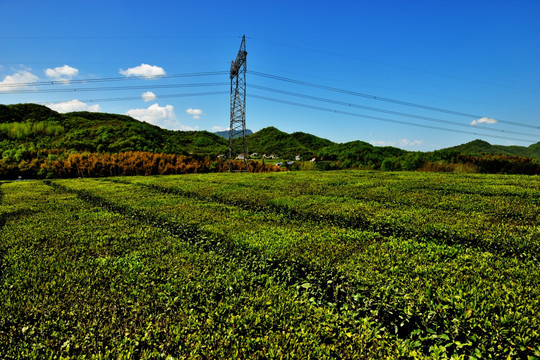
[428, 256]
[24, 112]
[359, 154]
[23, 130]
[273, 141]
[479, 147]
[312, 142]
[31, 127]
[347, 264]
[116, 286]
[38, 127]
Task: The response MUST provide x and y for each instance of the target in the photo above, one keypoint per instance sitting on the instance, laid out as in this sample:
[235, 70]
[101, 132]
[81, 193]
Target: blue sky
[476, 60]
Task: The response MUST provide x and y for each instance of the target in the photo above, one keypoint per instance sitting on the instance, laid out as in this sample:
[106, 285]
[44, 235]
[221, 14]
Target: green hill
[30, 112]
[359, 153]
[36, 127]
[25, 129]
[535, 148]
[273, 141]
[480, 147]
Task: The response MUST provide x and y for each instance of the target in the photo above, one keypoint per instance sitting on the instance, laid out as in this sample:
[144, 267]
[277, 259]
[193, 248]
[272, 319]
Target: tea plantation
[299, 265]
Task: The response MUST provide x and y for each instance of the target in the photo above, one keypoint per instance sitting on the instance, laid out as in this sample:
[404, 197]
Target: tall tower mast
[238, 106]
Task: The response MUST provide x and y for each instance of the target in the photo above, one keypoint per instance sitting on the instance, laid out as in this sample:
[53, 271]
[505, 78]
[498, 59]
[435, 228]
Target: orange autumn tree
[57, 164]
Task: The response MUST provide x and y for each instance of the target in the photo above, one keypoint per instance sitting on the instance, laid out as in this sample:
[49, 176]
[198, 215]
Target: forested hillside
[36, 141]
[273, 141]
[34, 127]
[479, 147]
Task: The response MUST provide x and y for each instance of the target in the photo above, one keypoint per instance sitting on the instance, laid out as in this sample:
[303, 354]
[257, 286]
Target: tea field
[298, 265]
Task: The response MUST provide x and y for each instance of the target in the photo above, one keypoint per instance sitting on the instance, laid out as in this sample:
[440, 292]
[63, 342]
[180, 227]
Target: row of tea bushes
[505, 222]
[80, 281]
[441, 298]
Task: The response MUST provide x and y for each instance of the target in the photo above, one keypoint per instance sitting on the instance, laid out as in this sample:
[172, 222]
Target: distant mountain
[225, 133]
[273, 141]
[479, 147]
[359, 152]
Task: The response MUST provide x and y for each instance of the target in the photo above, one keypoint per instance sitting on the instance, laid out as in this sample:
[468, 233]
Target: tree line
[56, 163]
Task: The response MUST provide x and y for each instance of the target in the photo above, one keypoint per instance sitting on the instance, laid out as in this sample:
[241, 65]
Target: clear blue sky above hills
[470, 68]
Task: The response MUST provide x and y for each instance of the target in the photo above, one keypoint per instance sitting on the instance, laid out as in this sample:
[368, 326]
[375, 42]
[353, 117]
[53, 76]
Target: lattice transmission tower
[239, 147]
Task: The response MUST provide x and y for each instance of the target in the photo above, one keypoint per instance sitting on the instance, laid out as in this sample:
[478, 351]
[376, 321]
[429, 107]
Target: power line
[114, 62]
[107, 79]
[379, 118]
[356, 83]
[215, 73]
[85, 37]
[157, 96]
[392, 65]
[152, 37]
[114, 88]
[264, 75]
[318, 108]
[455, 123]
[380, 98]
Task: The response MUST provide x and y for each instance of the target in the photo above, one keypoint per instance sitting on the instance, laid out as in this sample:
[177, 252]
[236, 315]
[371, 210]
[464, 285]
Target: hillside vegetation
[35, 127]
[33, 137]
[483, 147]
[273, 141]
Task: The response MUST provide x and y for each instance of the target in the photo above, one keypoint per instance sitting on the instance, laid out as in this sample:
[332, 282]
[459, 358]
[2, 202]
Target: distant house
[298, 158]
[313, 160]
[255, 155]
[269, 156]
[241, 157]
[288, 163]
[221, 156]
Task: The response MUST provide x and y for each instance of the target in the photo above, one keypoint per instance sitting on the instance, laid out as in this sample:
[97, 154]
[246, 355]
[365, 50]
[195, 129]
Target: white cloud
[144, 71]
[16, 81]
[195, 113]
[407, 142]
[62, 72]
[154, 114]
[188, 128]
[401, 142]
[73, 105]
[484, 120]
[148, 96]
[383, 143]
[162, 116]
[219, 128]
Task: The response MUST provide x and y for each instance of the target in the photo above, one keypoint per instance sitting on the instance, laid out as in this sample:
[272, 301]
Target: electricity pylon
[238, 107]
